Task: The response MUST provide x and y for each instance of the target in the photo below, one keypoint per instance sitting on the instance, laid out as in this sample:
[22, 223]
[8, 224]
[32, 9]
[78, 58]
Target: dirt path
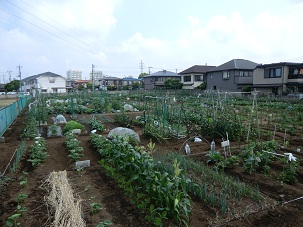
[91, 184]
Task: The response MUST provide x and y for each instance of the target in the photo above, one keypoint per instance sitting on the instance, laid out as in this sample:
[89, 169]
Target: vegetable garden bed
[238, 185]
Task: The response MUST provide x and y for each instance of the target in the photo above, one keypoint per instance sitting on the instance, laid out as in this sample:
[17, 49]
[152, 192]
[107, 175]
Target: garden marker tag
[81, 164]
[225, 143]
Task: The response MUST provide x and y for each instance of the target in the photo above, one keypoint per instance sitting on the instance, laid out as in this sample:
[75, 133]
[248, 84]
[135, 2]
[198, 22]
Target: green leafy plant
[104, 223]
[73, 146]
[21, 197]
[23, 179]
[289, 173]
[37, 152]
[163, 195]
[123, 119]
[20, 209]
[12, 220]
[95, 124]
[214, 157]
[252, 162]
[72, 125]
[95, 207]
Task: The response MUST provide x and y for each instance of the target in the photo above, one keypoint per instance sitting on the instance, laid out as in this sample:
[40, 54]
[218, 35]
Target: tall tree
[12, 86]
[141, 75]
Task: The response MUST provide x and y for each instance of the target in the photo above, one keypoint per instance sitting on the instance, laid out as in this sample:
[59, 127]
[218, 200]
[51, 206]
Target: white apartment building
[74, 75]
[98, 75]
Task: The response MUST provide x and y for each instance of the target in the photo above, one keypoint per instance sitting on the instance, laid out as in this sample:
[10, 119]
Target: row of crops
[210, 116]
[162, 186]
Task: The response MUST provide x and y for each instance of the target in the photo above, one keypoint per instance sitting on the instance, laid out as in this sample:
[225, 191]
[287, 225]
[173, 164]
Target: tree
[141, 75]
[135, 85]
[12, 86]
[172, 84]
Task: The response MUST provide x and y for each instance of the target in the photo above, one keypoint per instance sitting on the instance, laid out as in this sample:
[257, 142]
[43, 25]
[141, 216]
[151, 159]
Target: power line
[42, 28]
[50, 24]
[93, 45]
[72, 48]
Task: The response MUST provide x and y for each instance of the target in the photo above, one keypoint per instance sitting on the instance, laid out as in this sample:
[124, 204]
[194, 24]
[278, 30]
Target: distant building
[231, 76]
[47, 82]
[98, 75]
[194, 76]
[128, 81]
[156, 80]
[83, 83]
[110, 83]
[279, 78]
[73, 75]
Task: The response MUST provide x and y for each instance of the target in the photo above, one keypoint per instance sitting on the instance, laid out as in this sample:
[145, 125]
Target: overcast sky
[115, 35]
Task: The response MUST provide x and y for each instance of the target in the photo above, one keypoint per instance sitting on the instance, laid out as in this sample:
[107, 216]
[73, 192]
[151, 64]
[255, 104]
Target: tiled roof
[236, 64]
[163, 74]
[48, 74]
[197, 69]
[280, 64]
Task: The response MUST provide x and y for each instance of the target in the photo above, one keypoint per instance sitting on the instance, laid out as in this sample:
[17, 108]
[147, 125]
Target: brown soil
[92, 185]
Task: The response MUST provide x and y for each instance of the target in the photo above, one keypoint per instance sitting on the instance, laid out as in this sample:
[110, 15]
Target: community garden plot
[248, 178]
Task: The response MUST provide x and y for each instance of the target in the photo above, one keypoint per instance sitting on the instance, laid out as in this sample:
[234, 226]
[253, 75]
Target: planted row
[73, 146]
[37, 152]
[161, 195]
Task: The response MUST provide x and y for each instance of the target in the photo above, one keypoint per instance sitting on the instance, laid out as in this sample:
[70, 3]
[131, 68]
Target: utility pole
[176, 70]
[19, 67]
[10, 76]
[149, 70]
[93, 82]
[141, 66]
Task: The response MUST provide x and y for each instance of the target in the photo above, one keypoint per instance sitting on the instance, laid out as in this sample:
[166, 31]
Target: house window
[295, 73]
[211, 76]
[187, 78]
[273, 72]
[198, 77]
[244, 73]
[225, 74]
[51, 80]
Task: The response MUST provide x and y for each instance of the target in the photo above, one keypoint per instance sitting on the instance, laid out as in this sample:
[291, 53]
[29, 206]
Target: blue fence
[9, 113]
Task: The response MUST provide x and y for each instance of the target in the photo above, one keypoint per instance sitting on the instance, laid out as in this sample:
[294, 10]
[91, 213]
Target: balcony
[243, 79]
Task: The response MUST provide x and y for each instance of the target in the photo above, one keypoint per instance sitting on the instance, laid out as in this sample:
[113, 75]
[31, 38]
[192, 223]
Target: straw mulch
[66, 208]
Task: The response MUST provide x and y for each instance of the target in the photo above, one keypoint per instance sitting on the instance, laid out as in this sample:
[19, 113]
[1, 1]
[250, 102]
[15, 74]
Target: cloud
[138, 43]
[92, 19]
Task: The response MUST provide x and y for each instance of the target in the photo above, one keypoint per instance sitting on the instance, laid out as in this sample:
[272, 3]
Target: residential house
[80, 83]
[128, 82]
[231, 76]
[2, 88]
[279, 78]
[156, 80]
[47, 82]
[194, 76]
[111, 83]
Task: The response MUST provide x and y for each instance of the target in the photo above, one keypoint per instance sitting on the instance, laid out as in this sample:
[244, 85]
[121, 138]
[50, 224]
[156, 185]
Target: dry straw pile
[66, 208]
